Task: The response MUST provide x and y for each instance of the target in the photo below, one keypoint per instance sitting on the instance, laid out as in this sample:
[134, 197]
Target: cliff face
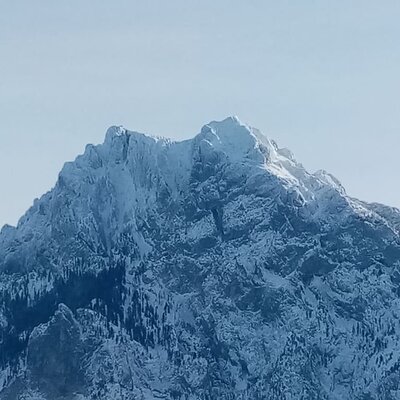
[213, 268]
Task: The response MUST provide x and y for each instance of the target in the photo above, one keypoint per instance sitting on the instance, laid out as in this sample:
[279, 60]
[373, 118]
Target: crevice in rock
[217, 213]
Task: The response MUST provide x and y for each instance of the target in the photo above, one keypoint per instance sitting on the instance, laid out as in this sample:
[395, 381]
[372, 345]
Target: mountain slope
[213, 268]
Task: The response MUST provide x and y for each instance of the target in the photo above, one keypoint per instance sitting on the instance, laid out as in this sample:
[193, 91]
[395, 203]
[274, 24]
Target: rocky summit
[215, 268]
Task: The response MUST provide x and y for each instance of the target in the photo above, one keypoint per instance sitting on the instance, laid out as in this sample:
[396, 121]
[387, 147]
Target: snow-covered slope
[212, 268]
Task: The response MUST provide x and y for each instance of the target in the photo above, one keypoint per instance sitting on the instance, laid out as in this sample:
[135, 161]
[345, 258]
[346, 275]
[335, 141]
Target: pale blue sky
[320, 77]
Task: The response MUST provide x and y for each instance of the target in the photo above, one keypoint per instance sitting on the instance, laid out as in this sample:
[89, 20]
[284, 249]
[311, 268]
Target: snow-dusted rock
[212, 268]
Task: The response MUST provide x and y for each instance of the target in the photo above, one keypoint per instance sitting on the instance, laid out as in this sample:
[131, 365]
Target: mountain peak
[218, 260]
[229, 124]
[114, 131]
[237, 140]
[228, 121]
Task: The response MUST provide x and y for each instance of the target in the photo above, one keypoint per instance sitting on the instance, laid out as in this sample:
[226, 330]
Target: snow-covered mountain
[212, 268]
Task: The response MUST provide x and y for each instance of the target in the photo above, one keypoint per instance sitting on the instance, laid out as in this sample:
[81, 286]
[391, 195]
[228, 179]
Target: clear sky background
[320, 77]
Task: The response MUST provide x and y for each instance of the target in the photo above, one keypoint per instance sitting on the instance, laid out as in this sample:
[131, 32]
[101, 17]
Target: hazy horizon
[320, 79]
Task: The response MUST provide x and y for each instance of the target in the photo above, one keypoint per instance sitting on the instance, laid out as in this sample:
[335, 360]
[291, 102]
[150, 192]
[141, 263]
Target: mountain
[211, 268]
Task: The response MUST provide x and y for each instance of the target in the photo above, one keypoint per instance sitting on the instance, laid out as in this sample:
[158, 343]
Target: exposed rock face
[55, 354]
[213, 268]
